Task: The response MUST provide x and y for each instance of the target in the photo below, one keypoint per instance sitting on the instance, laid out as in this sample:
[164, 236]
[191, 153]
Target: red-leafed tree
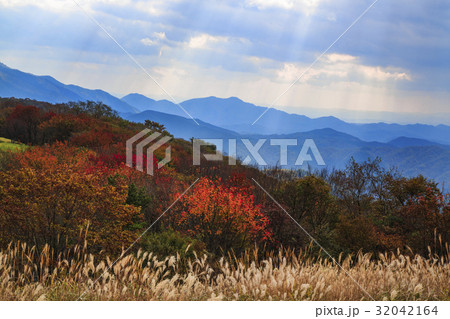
[22, 124]
[221, 217]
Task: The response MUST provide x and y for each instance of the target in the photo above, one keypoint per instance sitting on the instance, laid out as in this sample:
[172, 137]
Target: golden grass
[28, 275]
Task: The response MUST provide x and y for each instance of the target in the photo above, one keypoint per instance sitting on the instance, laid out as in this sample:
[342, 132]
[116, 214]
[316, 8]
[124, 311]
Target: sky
[392, 64]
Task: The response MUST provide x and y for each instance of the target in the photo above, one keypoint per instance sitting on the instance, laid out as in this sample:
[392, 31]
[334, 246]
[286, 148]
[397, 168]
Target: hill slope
[15, 83]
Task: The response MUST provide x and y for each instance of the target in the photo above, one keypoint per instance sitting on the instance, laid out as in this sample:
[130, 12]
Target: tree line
[71, 185]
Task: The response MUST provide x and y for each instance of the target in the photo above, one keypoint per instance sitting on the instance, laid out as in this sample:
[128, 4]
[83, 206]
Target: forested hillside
[67, 186]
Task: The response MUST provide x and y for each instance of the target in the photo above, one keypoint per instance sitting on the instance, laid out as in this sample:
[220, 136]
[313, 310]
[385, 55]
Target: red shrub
[221, 216]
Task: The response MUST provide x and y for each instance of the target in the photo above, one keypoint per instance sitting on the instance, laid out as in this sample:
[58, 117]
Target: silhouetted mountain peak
[212, 97]
[233, 98]
[136, 95]
[15, 83]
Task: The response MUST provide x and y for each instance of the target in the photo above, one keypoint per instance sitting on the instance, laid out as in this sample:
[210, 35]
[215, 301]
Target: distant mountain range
[15, 83]
[414, 149]
[237, 115]
[411, 156]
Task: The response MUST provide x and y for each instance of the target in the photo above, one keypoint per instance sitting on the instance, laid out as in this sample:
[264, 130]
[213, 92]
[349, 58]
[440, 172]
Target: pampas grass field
[26, 274]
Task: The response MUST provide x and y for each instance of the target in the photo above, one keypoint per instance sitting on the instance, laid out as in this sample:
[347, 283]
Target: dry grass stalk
[26, 274]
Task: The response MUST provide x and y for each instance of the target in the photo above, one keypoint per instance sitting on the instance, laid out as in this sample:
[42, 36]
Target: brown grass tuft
[26, 274]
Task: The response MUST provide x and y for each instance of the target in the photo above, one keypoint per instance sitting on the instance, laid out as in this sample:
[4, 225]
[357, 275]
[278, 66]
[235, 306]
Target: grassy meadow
[26, 274]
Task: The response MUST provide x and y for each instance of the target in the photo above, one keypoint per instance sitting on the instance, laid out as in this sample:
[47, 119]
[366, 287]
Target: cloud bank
[395, 58]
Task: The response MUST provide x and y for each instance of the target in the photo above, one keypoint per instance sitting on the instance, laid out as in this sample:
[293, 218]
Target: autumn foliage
[54, 195]
[72, 184]
[221, 217]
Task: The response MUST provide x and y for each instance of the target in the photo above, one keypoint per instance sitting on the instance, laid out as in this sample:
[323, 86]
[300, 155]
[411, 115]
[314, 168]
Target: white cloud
[204, 41]
[289, 72]
[340, 67]
[50, 5]
[160, 35]
[336, 57]
[306, 6]
[382, 74]
[62, 5]
[191, 81]
[154, 8]
[156, 39]
[148, 42]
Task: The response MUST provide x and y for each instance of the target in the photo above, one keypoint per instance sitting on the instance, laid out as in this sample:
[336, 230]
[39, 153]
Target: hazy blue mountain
[182, 127]
[144, 103]
[237, 115]
[386, 132]
[140, 102]
[15, 83]
[100, 95]
[223, 112]
[240, 115]
[220, 112]
[337, 148]
[411, 156]
[408, 141]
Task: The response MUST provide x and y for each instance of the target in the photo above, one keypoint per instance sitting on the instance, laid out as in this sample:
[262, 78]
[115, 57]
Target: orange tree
[221, 217]
[52, 196]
